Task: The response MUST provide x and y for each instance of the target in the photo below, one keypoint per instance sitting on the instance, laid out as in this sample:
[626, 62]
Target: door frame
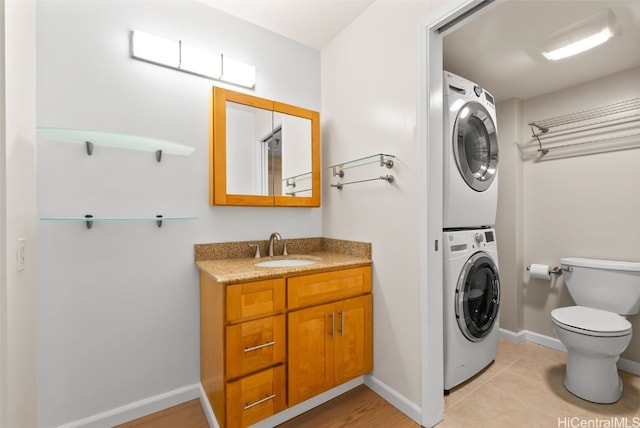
[430, 119]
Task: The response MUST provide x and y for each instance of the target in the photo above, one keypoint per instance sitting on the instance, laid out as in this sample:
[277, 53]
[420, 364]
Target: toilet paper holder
[557, 269]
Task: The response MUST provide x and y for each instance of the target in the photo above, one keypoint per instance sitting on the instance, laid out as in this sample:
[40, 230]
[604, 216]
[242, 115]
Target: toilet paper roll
[539, 271]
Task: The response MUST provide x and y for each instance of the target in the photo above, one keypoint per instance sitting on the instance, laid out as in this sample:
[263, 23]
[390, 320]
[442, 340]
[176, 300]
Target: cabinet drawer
[254, 345]
[251, 299]
[255, 397]
[328, 286]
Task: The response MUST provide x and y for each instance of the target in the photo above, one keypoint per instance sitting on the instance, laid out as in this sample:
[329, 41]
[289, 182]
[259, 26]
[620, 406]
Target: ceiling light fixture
[185, 58]
[582, 36]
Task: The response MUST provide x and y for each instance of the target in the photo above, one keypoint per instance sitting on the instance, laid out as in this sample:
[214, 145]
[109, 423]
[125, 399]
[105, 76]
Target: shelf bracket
[89, 146]
[338, 171]
[159, 220]
[89, 222]
[543, 130]
[158, 155]
[386, 162]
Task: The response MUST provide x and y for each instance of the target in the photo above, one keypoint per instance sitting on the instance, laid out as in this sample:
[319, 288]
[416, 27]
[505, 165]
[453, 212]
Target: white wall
[583, 206]
[370, 99]
[509, 215]
[18, 194]
[118, 304]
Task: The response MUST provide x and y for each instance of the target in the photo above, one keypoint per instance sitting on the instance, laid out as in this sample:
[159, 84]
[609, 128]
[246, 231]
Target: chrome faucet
[275, 236]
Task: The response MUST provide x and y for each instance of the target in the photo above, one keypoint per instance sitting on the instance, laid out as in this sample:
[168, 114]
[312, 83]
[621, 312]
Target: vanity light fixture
[155, 49]
[179, 56]
[200, 62]
[581, 36]
[238, 73]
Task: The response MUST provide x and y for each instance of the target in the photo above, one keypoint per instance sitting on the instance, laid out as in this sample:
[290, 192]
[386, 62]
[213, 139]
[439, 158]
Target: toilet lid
[591, 321]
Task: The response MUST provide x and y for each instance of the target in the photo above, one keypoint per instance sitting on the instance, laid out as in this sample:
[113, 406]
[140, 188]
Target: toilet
[596, 331]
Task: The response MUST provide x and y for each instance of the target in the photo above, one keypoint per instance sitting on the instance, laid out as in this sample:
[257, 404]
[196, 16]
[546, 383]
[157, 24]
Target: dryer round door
[475, 146]
[477, 297]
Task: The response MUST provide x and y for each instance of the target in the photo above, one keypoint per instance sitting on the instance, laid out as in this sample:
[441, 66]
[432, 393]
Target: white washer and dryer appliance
[470, 155]
[471, 303]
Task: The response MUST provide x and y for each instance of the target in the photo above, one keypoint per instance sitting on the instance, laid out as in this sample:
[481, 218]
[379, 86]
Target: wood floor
[185, 415]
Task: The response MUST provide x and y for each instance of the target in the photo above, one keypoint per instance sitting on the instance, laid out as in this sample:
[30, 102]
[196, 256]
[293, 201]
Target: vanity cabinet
[277, 342]
[242, 349]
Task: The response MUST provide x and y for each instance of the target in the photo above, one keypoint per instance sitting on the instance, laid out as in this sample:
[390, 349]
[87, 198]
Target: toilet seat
[590, 321]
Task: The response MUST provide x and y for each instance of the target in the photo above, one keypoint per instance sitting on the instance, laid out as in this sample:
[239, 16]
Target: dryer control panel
[468, 240]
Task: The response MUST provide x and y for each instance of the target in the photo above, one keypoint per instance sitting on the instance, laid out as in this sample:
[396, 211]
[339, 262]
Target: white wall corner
[139, 409]
[512, 337]
[396, 399]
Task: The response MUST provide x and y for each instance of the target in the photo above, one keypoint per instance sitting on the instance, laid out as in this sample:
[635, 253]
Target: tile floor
[523, 388]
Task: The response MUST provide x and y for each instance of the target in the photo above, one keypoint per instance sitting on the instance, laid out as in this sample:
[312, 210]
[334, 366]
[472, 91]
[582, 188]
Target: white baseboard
[628, 366]
[396, 399]
[512, 337]
[206, 407]
[137, 409]
[544, 340]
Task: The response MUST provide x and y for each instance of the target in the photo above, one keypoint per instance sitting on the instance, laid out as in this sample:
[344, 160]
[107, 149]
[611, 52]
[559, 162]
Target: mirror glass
[268, 152]
[292, 173]
[263, 152]
[247, 153]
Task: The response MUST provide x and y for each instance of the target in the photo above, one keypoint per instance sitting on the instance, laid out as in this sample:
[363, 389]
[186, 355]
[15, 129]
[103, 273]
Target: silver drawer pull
[267, 398]
[264, 345]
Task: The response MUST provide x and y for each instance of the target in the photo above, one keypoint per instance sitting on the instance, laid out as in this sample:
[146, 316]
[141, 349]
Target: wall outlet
[21, 253]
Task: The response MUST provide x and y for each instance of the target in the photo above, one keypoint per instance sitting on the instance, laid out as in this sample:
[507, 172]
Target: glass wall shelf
[112, 139]
[381, 158]
[305, 176]
[89, 219]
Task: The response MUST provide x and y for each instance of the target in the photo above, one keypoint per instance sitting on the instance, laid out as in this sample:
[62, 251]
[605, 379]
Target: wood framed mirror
[262, 152]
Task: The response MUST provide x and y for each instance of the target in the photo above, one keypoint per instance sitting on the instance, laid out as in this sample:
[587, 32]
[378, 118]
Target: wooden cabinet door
[311, 352]
[354, 342]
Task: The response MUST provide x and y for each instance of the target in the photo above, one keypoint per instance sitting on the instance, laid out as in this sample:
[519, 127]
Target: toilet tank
[603, 284]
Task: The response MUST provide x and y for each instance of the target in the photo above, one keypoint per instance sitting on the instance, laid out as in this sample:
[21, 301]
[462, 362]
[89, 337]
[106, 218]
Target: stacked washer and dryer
[471, 278]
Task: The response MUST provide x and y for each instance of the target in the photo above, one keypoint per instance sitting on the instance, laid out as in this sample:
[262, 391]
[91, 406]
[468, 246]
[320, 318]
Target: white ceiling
[313, 23]
[499, 49]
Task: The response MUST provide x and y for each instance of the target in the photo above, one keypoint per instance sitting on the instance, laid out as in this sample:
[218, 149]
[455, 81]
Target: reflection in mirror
[246, 157]
[296, 155]
[263, 152]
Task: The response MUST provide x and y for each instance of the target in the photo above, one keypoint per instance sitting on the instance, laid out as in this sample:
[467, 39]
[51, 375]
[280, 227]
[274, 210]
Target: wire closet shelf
[606, 128]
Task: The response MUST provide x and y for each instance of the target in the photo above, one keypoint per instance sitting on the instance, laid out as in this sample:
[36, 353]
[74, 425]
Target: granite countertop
[229, 263]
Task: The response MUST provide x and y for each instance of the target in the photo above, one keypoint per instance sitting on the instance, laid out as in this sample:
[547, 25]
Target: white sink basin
[286, 263]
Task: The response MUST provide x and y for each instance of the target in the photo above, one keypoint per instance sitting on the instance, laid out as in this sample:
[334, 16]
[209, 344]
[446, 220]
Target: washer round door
[475, 146]
[477, 297]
